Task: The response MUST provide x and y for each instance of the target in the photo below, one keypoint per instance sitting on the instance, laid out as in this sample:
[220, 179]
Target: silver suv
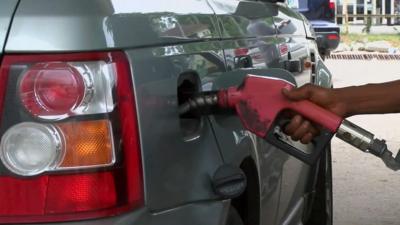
[89, 123]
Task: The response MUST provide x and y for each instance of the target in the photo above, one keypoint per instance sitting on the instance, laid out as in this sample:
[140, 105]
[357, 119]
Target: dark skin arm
[345, 102]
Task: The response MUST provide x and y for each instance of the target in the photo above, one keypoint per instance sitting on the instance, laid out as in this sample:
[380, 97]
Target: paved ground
[378, 29]
[365, 192]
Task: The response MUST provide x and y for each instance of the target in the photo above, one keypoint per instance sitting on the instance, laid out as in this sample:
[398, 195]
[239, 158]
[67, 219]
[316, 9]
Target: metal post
[336, 5]
[365, 11]
[383, 10]
[373, 12]
[393, 19]
[346, 17]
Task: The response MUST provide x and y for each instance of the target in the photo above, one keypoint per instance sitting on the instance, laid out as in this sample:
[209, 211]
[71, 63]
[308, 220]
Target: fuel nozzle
[258, 102]
[203, 103]
[366, 142]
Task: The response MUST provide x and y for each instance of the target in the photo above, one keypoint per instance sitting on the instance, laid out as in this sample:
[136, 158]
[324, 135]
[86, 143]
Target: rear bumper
[328, 40]
[328, 34]
[204, 213]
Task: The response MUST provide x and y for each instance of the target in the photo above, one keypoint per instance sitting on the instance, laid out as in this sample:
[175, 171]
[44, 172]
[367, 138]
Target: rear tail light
[241, 51]
[332, 37]
[332, 9]
[332, 5]
[69, 145]
[29, 149]
[57, 90]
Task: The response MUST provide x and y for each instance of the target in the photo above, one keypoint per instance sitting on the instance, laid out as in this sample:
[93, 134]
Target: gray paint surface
[283, 179]
[6, 10]
[163, 40]
[255, 33]
[205, 213]
[64, 24]
[177, 169]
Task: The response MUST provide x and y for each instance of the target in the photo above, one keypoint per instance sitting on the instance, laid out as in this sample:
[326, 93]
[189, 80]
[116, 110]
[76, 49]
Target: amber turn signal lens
[87, 144]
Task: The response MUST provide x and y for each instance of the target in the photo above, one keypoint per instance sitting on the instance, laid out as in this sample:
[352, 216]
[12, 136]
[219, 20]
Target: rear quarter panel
[6, 11]
[162, 39]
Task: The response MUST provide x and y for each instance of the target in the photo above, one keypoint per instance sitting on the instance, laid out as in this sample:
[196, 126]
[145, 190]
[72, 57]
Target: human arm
[345, 102]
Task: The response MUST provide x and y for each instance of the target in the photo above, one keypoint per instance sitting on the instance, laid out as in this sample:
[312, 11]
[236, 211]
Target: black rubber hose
[200, 102]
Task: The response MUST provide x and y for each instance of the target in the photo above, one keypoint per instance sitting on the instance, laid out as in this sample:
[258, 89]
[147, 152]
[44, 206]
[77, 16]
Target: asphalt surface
[365, 192]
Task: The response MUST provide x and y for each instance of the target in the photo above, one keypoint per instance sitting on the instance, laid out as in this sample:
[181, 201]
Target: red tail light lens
[69, 145]
[332, 5]
[241, 51]
[333, 37]
[53, 88]
[81, 193]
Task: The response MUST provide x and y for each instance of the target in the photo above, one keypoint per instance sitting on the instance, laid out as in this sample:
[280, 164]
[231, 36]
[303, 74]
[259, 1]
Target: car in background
[321, 15]
[90, 127]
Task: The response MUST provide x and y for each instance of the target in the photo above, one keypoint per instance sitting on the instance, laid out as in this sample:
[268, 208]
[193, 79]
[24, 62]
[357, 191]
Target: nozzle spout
[365, 141]
[355, 135]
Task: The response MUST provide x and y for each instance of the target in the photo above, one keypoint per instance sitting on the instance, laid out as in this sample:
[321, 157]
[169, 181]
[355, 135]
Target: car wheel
[234, 217]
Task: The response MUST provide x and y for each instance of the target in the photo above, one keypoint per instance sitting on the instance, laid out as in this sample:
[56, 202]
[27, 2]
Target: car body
[151, 55]
[321, 15]
[328, 36]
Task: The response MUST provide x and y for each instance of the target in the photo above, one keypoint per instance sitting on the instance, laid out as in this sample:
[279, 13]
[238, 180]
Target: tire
[234, 217]
[322, 208]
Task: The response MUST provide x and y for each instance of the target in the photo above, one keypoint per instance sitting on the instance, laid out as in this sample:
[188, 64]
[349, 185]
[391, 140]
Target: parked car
[321, 15]
[89, 123]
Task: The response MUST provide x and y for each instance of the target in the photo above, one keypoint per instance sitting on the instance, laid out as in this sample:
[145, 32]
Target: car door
[180, 152]
[270, 35]
[303, 61]
[249, 42]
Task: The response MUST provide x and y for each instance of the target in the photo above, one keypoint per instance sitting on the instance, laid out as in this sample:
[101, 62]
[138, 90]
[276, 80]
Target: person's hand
[300, 129]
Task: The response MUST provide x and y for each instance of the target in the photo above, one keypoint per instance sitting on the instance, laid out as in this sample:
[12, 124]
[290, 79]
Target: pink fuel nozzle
[259, 104]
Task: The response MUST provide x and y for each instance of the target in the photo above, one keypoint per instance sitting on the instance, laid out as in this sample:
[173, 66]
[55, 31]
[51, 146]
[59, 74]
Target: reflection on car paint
[114, 24]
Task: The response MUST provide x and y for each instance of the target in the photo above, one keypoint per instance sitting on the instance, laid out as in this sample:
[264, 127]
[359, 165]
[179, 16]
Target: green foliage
[393, 39]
